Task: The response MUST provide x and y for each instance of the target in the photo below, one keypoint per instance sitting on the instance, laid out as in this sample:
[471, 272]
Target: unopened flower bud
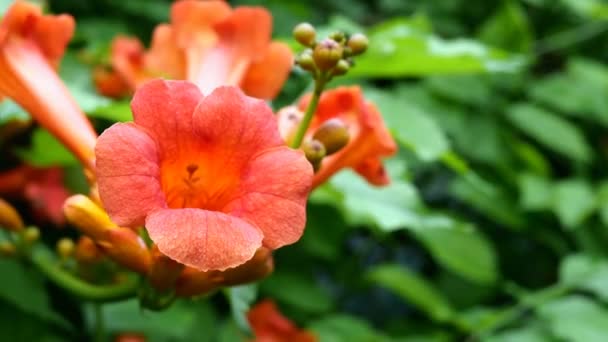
[126, 248]
[65, 248]
[7, 249]
[164, 271]
[87, 216]
[314, 151]
[338, 37]
[9, 217]
[333, 134]
[327, 54]
[289, 119]
[87, 251]
[341, 68]
[31, 235]
[358, 43]
[305, 34]
[305, 60]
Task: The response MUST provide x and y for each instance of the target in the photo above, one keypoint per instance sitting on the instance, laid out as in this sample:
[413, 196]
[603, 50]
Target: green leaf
[339, 328]
[462, 250]
[413, 289]
[508, 28]
[533, 333]
[593, 9]
[11, 111]
[536, 193]
[576, 318]
[119, 111]
[585, 272]
[397, 49]
[410, 124]
[602, 202]
[574, 201]
[299, 291]
[26, 291]
[241, 298]
[46, 151]
[550, 130]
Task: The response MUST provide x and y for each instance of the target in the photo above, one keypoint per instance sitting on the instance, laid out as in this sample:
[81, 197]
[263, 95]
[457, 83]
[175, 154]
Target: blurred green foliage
[495, 225]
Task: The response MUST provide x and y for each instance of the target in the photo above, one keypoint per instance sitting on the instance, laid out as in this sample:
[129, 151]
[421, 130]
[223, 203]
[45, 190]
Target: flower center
[198, 184]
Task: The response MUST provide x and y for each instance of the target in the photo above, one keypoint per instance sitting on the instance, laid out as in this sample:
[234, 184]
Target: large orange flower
[369, 142]
[210, 176]
[211, 45]
[31, 45]
[269, 325]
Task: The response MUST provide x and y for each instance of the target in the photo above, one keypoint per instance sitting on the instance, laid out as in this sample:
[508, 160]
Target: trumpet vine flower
[209, 176]
[210, 44]
[31, 45]
[369, 140]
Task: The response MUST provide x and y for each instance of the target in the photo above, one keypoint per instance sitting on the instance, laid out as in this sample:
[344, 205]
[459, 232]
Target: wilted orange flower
[31, 45]
[269, 325]
[211, 45]
[209, 176]
[369, 141]
[42, 188]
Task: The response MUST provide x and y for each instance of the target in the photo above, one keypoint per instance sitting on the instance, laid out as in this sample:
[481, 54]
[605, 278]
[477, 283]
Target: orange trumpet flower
[209, 176]
[269, 325]
[31, 45]
[209, 44]
[369, 140]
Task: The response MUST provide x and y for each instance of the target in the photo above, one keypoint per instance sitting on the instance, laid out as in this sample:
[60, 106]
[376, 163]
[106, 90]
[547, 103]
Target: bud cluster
[328, 57]
[328, 139]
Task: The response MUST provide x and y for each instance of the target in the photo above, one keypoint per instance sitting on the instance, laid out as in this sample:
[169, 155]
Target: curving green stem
[42, 259]
[310, 111]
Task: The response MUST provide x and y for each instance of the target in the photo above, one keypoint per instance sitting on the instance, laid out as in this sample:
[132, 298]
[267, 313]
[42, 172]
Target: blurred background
[495, 225]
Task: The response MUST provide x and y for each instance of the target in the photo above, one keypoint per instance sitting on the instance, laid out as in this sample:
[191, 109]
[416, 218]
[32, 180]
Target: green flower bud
[341, 68]
[314, 152]
[31, 234]
[65, 247]
[327, 53]
[7, 249]
[338, 36]
[358, 43]
[305, 34]
[333, 134]
[305, 60]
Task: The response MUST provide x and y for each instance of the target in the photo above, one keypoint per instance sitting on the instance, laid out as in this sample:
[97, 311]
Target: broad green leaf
[602, 202]
[17, 325]
[462, 250]
[550, 130]
[508, 28]
[592, 9]
[46, 151]
[412, 288]
[241, 298]
[339, 328]
[398, 49]
[585, 272]
[118, 111]
[26, 291]
[536, 193]
[299, 291]
[411, 125]
[78, 79]
[175, 323]
[10, 111]
[527, 333]
[576, 318]
[489, 199]
[574, 201]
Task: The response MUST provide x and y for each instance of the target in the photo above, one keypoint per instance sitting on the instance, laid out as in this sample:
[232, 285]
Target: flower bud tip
[305, 34]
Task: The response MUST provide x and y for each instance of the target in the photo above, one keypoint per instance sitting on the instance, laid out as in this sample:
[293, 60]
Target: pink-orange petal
[128, 174]
[194, 20]
[275, 187]
[164, 57]
[247, 30]
[53, 33]
[164, 109]
[231, 122]
[202, 239]
[265, 77]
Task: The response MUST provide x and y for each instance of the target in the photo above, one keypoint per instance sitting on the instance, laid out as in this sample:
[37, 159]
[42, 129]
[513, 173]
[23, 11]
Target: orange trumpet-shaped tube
[31, 45]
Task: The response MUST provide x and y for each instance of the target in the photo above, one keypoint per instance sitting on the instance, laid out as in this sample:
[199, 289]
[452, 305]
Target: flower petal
[227, 120]
[164, 57]
[193, 21]
[164, 109]
[205, 240]
[236, 31]
[265, 77]
[275, 187]
[128, 174]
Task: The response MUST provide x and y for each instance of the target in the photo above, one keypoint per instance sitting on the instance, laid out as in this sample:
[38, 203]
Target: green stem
[46, 264]
[99, 323]
[310, 111]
